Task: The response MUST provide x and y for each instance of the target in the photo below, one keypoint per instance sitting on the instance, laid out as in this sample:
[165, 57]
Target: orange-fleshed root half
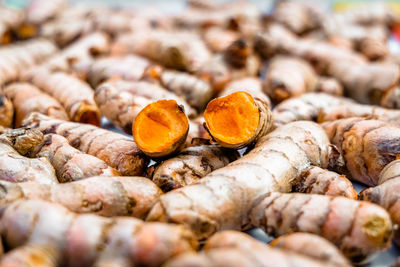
[237, 120]
[161, 128]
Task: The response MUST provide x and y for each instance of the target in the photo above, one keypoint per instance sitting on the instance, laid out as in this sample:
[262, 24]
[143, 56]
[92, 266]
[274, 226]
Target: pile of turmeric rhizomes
[140, 138]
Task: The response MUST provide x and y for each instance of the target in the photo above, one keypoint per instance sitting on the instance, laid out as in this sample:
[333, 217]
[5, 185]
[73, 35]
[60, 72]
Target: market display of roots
[136, 137]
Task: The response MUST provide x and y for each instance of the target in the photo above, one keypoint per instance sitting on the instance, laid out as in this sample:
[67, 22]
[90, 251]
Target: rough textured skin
[105, 196]
[76, 57]
[129, 67]
[330, 86]
[367, 146]
[386, 193]
[84, 239]
[190, 165]
[28, 98]
[231, 248]
[20, 57]
[31, 256]
[358, 228]
[313, 246]
[6, 111]
[251, 85]
[16, 168]
[289, 77]
[323, 182]
[223, 198]
[178, 50]
[195, 91]
[120, 101]
[322, 107]
[75, 95]
[117, 150]
[197, 133]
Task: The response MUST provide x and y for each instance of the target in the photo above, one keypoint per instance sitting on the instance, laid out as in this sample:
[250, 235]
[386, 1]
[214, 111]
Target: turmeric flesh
[273, 165]
[358, 228]
[75, 95]
[6, 111]
[311, 245]
[237, 120]
[319, 181]
[105, 196]
[231, 248]
[116, 150]
[160, 128]
[367, 146]
[190, 165]
[27, 222]
[121, 101]
[28, 98]
[386, 194]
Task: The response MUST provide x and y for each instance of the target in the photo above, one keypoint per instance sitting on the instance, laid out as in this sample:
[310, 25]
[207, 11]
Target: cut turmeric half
[161, 128]
[237, 120]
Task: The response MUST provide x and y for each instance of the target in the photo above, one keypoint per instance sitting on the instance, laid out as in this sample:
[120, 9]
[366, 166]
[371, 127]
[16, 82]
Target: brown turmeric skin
[75, 95]
[232, 248]
[330, 86]
[323, 182]
[358, 228]
[161, 128]
[289, 77]
[31, 255]
[105, 196]
[121, 101]
[116, 150]
[17, 168]
[322, 107]
[197, 133]
[190, 165]
[386, 193]
[6, 111]
[27, 98]
[367, 146]
[20, 57]
[311, 245]
[139, 243]
[219, 39]
[273, 165]
[237, 120]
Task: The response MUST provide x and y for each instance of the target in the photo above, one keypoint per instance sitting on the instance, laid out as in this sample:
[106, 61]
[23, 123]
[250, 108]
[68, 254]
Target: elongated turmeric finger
[161, 128]
[319, 181]
[251, 85]
[17, 168]
[219, 39]
[10, 19]
[237, 120]
[231, 248]
[311, 245]
[367, 146]
[27, 222]
[130, 68]
[75, 95]
[359, 232]
[70, 163]
[121, 101]
[18, 58]
[28, 98]
[105, 196]
[117, 150]
[194, 90]
[289, 77]
[273, 165]
[31, 255]
[190, 165]
[6, 111]
[322, 107]
[386, 193]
